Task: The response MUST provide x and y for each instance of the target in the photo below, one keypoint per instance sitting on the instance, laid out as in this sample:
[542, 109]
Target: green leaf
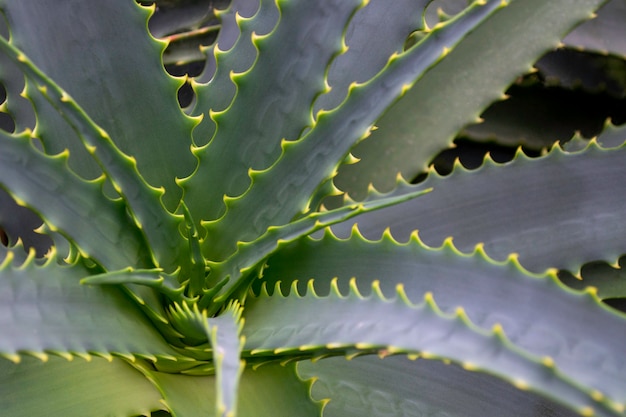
[271, 390]
[223, 333]
[159, 226]
[279, 194]
[605, 33]
[46, 311]
[287, 91]
[367, 54]
[429, 116]
[399, 386]
[98, 225]
[537, 313]
[309, 324]
[250, 254]
[61, 388]
[120, 82]
[541, 209]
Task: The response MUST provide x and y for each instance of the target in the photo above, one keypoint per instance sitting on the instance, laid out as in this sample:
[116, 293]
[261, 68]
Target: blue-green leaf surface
[101, 227]
[308, 324]
[270, 390]
[45, 310]
[399, 386]
[278, 194]
[550, 211]
[121, 83]
[537, 313]
[286, 90]
[60, 388]
[457, 89]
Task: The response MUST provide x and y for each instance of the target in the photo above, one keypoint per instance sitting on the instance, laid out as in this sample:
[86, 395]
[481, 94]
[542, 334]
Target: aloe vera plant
[195, 260]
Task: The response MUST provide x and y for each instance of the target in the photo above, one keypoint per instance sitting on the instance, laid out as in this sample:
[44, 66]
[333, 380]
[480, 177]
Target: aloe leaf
[429, 116]
[605, 33]
[537, 313]
[250, 254]
[17, 106]
[367, 54]
[223, 333]
[44, 312]
[287, 92]
[612, 135]
[159, 226]
[270, 390]
[401, 386]
[75, 388]
[136, 100]
[338, 322]
[98, 225]
[279, 194]
[232, 53]
[511, 209]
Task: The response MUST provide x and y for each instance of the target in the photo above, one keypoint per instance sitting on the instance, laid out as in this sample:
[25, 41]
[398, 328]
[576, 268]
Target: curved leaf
[223, 333]
[120, 82]
[399, 386]
[537, 313]
[98, 225]
[301, 325]
[271, 390]
[61, 388]
[367, 54]
[541, 209]
[287, 91]
[429, 116]
[159, 226]
[284, 191]
[44, 310]
[605, 33]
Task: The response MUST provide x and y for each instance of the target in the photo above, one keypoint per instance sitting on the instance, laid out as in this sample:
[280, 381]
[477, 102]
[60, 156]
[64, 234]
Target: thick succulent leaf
[232, 53]
[133, 99]
[45, 310]
[612, 136]
[223, 333]
[536, 313]
[286, 91]
[605, 33]
[340, 323]
[159, 226]
[280, 193]
[250, 254]
[541, 209]
[429, 116]
[12, 79]
[100, 226]
[367, 54]
[62, 388]
[399, 386]
[271, 390]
